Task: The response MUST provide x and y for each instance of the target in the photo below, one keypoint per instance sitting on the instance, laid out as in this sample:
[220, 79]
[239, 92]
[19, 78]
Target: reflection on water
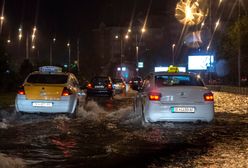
[64, 141]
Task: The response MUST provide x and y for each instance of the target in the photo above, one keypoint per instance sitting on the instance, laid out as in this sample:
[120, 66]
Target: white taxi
[48, 90]
[175, 97]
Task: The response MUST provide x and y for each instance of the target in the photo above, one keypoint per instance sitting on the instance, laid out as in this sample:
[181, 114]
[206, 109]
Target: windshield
[177, 80]
[47, 79]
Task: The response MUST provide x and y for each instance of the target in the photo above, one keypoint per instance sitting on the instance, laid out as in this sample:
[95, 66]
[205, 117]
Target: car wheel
[144, 121]
[19, 114]
[111, 96]
[74, 113]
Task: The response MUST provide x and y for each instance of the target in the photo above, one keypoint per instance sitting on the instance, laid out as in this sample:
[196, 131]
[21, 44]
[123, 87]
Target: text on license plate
[182, 109]
[99, 86]
[35, 104]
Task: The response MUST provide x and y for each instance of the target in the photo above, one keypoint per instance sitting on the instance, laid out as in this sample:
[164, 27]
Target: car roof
[172, 73]
[51, 73]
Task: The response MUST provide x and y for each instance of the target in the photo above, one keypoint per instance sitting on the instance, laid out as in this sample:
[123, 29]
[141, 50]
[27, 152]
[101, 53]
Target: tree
[235, 37]
[25, 69]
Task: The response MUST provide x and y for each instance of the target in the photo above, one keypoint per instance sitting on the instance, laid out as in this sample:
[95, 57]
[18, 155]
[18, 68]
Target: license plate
[42, 104]
[182, 109]
[99, 87]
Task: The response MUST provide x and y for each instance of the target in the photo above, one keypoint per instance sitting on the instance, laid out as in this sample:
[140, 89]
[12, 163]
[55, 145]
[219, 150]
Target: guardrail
[230, 89]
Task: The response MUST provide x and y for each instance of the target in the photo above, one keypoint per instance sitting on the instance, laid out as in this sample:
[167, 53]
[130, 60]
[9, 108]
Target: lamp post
[69, 56]
[51, 50]
[239, 49]
[121, 47]
[173, 53]
[78, 55]
[142, 30]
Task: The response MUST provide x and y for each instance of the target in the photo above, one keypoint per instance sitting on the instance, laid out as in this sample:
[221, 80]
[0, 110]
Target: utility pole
[239, 49]
[51, 52]
[137, 50]
[121, 51]
[27, 47]
[78, 55]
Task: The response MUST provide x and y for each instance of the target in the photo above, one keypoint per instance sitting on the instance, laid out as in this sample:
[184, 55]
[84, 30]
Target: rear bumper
[203, 112]
[102, 92]
[65, 105]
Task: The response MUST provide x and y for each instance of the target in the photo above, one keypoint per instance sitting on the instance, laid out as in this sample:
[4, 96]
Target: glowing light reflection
[191, 12]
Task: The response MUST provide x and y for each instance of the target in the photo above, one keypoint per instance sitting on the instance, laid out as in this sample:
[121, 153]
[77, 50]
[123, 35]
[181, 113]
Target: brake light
[89, 86]
[66, 92]
[208, 96]
[21, 90]
[154, 96]
[109, 86]
[130, 82]
[123, 85]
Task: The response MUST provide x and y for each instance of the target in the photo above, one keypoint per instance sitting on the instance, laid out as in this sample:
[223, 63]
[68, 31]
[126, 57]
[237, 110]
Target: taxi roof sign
[173, 69]
[50, 69]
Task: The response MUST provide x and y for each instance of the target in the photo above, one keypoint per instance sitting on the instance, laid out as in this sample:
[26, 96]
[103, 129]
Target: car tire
[19, 114]
[144, 122]
[74, 113]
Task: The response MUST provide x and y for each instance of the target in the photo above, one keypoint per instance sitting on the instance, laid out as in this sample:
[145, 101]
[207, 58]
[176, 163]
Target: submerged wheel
[74, 113]
[144, 121]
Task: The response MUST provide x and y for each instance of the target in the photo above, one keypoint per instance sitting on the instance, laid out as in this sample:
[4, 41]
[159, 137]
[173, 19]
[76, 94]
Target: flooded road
[108, 133]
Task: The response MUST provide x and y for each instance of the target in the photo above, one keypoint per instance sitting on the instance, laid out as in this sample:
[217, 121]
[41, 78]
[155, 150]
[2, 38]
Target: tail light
[154, 96]
[109, 86]
[130, 82]
[21, 90]
[123, 85]
[208, 96]
[89, 86]
[66, 92]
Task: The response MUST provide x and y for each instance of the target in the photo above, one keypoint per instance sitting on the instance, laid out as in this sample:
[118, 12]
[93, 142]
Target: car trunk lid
[43, 92]
[183, 95]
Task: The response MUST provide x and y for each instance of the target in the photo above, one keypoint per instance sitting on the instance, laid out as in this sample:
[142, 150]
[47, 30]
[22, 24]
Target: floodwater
[105, 133]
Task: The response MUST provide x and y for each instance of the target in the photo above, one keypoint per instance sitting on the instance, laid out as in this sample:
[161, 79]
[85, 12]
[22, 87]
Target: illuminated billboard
[200, 62]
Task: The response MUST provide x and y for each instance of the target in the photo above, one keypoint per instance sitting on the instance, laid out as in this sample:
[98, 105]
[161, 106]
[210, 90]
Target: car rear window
[117, 81]
[47, 78]
[100, 80]
[177, 80]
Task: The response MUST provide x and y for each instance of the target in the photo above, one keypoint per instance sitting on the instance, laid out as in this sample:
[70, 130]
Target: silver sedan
[179, 97]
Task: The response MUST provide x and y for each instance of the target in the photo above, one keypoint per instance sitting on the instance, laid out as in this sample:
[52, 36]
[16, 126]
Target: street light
[143, 30]
[51, 50]
[126, 37]
[69, 56]
[1, 20]
[173, 53]
[20, 33]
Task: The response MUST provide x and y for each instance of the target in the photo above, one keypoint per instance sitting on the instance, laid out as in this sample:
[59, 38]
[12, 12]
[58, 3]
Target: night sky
[68, 20]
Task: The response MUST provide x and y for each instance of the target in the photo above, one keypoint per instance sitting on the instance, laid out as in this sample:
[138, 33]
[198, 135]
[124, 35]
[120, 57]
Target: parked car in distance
[100, 86]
